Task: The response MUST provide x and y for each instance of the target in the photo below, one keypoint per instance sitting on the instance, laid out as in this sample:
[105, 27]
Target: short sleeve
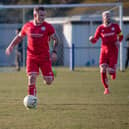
[118, 29]
[97, 33]
[23, 31]
[51, 30]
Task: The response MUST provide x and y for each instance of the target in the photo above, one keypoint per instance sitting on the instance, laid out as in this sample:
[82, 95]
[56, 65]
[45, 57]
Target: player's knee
[48, 80]
[103, 68]
[32, 79]
[112, 72]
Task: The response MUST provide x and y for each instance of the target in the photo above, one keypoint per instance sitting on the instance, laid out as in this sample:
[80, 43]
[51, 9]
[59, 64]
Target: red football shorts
[109, 58]
[34, 65]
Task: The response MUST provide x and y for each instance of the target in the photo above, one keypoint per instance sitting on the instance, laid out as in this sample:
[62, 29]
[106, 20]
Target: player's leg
[32, 84]
[48, 80]
[112, 71]
[18, 61]
[32, 71]
[127, 58]
[54, 71]
[103, 72]
[113, 64]
[47, 72]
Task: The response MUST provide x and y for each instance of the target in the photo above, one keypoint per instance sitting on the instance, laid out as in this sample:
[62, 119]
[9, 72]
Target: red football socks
[113, 76]
[32, 90]
[104, 80]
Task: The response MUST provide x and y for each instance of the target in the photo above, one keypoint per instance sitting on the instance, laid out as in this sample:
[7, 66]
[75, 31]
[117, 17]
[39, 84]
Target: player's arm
[17, 39]
[119, 39]
[120, 35]
[94, 39]
[55, 45]
[127, 38]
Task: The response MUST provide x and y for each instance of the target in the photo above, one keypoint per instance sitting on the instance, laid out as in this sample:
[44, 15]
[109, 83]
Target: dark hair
[39, 8]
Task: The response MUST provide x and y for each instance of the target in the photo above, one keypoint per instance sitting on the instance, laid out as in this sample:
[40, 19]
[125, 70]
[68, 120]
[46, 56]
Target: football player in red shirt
[111, 36]
[38, 33]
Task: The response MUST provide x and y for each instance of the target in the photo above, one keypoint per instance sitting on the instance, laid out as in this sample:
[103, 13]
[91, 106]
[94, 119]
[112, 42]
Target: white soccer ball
[30, 101]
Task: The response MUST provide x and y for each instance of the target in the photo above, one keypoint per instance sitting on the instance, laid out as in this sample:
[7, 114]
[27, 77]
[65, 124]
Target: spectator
[19, 52]
[127, 52]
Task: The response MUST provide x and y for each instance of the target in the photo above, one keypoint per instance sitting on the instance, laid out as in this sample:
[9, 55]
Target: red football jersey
[37, 39]
[108, 34]
[109, 49]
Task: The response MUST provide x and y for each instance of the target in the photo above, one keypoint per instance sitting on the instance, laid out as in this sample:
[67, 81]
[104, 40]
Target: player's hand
[91, 38]
[54, 57]
[117, 43]
[8, 50]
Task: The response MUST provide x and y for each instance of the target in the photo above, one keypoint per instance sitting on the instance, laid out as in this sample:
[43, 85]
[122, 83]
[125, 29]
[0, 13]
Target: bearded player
[38, 33]
[111, 36]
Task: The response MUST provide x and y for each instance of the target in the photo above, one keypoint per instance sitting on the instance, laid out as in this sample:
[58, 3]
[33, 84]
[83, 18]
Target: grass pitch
[74, 101]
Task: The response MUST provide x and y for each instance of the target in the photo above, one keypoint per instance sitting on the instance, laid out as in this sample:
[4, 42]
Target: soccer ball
[30, 101]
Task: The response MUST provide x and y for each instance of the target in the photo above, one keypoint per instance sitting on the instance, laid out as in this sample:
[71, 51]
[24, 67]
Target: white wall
[7, 32]
[67, 30]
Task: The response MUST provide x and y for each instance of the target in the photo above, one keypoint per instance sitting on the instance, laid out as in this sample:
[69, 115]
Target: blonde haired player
[111, 36]
[38, 33]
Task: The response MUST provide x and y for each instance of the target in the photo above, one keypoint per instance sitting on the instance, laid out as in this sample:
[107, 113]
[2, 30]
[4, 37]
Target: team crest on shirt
[43, 28]
[113, 28]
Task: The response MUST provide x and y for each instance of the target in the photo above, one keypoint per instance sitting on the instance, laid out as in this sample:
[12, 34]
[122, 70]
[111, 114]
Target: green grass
[74, 101]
